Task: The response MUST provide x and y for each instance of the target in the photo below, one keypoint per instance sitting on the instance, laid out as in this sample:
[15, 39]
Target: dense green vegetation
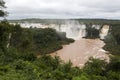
[92, 33]
[48, 68]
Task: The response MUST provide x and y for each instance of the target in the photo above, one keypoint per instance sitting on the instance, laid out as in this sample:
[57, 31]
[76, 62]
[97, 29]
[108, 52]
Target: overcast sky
[19, 9]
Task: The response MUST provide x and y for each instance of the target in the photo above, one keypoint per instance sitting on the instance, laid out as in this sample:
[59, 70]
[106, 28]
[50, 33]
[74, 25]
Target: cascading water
[76, 31]
[104, 31]
[73, 29]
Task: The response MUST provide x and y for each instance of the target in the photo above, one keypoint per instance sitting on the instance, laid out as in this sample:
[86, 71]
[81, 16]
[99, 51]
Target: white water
[104, 31]
[76, 31]
[73, 28]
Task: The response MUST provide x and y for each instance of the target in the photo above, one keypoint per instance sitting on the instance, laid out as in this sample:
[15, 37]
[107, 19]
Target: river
[81, 50]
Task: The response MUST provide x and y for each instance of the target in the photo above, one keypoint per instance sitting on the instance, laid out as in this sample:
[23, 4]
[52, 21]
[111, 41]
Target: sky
[63, 9]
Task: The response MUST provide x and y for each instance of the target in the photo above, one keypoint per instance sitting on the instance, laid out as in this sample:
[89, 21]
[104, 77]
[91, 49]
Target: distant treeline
[63, 21]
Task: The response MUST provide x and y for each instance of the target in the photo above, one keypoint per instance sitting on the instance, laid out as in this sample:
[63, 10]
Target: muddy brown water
[81, 50]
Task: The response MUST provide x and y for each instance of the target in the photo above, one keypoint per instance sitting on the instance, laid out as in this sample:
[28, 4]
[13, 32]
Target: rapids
[81, 50]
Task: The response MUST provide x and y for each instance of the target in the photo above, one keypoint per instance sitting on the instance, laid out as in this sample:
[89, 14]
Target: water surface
[81, 50]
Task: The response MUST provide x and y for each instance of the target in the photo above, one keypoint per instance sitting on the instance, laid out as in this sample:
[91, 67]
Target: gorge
[82, 49]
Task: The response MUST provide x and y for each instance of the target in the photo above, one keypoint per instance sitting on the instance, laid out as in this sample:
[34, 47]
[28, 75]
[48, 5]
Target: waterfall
[9, 37]
[104, 31]
[73, 28]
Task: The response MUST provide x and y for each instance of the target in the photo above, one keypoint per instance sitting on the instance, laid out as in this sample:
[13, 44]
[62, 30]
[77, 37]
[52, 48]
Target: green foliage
[82, 77]
[40, 41]
[4, 33]
[111, 75]
[46, 40]
[92, 32]
[2, 6]
[47, 67]
[95, 66]
[114, 64]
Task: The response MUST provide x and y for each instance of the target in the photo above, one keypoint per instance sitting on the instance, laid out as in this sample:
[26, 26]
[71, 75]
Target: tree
[95, 66]
[92, 32]
[81, 78]
[114, 64]
[4, 32]
[2, 6]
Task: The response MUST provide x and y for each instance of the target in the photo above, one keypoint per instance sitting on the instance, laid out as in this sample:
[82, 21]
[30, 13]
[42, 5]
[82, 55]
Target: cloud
[63, 9]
